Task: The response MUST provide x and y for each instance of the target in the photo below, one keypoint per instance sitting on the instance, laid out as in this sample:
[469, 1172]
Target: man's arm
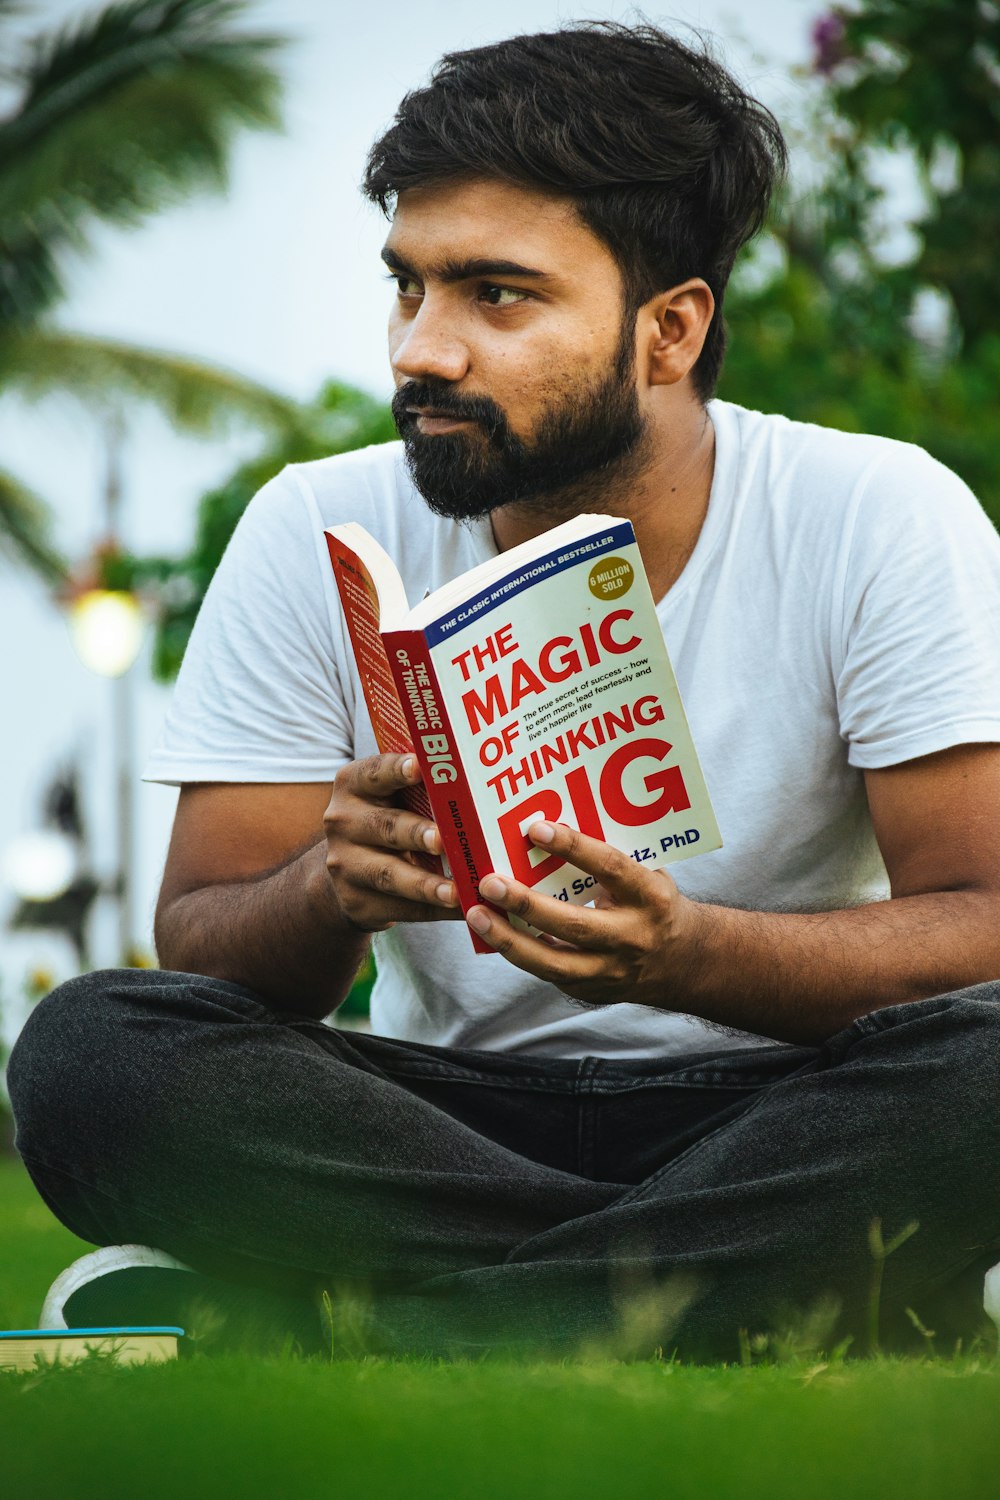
[796, 977]
[280, 887]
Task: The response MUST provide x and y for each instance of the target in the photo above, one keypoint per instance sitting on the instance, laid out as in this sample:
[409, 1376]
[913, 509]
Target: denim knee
[47, 1071]
[103, 1062]
[78, 1084]
[939, 1060]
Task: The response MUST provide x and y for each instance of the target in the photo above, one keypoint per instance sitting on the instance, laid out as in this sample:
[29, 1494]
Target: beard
[582, 451]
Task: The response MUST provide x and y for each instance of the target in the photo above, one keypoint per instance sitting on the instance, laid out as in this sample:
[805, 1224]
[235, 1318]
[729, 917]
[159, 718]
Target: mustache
[446, 402]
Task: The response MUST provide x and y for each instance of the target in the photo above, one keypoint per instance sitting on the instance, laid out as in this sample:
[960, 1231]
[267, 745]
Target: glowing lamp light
[106, 627]
[40, 866]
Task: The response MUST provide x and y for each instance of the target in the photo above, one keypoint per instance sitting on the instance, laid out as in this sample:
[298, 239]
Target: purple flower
[827, 37]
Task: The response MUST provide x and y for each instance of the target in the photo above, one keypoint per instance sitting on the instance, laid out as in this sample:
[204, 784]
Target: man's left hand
[637, 943]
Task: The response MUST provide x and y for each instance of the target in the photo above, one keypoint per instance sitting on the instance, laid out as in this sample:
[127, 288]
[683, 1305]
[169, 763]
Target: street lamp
[106, 627]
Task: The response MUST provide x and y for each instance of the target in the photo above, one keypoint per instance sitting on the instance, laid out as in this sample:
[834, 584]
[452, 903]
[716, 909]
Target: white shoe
[991, 1295]
[140, 1286]
[83, 1273]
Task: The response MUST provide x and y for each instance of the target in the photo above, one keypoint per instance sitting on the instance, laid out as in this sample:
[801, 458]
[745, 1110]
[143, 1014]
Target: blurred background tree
[339, 419]
[834, 317]
[115, 117]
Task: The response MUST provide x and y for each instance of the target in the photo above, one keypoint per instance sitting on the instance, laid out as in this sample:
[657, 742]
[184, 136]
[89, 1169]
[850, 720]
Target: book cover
[538, 686]
[364, 606]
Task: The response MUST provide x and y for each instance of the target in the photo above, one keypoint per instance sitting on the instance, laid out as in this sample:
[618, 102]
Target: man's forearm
[280, 934]
[801, 977]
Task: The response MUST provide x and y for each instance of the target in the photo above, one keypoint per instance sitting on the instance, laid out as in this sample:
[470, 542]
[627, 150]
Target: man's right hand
[370, 844]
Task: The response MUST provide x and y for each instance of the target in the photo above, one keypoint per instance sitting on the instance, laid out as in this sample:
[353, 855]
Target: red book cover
[362, 606]
[444, 774]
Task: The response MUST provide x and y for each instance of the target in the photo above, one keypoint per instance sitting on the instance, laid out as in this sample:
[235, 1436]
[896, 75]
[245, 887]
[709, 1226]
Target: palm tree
[124, 111]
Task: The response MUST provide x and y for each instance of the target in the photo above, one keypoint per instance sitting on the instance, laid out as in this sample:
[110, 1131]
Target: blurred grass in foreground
[248, 1428]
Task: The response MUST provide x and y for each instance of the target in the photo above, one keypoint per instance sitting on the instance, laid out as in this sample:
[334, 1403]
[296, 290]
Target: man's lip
[430, 411]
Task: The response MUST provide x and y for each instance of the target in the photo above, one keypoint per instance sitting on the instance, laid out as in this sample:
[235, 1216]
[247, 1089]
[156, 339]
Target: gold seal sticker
[611, 577]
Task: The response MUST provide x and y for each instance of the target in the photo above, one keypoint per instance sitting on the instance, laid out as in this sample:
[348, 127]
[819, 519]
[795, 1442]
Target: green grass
[34, 1247]
[249, 1428]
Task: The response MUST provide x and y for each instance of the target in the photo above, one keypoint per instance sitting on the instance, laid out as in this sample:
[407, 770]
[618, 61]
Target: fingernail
[541, 833]
[479, 920]
[430, 839]
[444, 892]
[409, 766]
[493, 888]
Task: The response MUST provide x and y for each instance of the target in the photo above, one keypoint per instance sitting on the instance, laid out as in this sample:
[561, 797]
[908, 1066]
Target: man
[676, 1114]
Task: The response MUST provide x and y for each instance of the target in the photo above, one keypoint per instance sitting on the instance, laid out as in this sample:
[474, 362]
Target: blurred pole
[106, 627]
[124, 744]
[123, 706]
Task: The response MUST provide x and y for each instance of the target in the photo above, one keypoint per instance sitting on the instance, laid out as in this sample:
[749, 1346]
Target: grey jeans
[481, 1200]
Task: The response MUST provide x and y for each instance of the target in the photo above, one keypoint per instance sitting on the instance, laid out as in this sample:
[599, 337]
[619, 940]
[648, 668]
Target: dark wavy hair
[667, 159]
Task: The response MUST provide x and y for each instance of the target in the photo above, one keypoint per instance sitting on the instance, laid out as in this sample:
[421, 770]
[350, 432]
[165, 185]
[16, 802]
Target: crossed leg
[449, 1186]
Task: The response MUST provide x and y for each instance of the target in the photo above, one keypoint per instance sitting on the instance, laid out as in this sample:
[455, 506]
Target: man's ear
[673, 327]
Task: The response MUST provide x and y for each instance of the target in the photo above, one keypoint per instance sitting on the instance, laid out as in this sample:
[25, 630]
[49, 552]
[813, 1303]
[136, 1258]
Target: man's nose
[427, 345]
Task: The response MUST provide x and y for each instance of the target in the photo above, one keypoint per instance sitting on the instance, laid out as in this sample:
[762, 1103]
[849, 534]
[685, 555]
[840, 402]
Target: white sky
[280, 280]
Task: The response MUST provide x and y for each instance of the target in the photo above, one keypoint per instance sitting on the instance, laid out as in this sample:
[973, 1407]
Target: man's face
[513, 358]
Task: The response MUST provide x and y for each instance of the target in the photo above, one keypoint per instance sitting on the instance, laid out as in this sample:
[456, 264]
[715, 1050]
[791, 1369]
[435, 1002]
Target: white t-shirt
[840, 611]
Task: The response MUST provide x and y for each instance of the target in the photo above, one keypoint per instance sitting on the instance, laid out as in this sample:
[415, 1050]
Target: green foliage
[338, 420]
[925, 75]
[102, 374]
[25, 533]
[116, 115]
[792, 352]
[835, 334]
[358, 1000]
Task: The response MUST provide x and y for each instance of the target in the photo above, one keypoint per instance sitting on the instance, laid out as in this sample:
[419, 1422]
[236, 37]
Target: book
[535, 686]
[26, 1348]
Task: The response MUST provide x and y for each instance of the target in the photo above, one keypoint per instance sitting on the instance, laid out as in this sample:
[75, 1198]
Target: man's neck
[666, 502]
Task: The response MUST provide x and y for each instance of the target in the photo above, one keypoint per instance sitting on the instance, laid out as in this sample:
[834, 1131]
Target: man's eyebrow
[465, 270]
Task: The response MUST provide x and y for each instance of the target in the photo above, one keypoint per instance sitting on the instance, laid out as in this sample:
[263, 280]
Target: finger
[392, 913]
[383, 826]
[582, 926]
[379, 775]
[359, 813]
[369, 912]
[399, 879]
[372, 918]
[617, 873]
[365, 883]
[558, 966]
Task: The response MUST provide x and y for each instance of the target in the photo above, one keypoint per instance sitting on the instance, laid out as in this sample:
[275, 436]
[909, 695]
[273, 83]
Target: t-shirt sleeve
[260, 696]
[919, 667]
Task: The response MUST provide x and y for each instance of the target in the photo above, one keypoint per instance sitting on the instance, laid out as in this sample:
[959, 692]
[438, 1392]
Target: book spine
[436, 748]
[358, 596]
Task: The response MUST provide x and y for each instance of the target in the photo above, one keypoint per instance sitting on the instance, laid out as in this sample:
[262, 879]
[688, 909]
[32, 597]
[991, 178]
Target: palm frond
[195, 397]
[120, 114]
[78, 64]
[26, 530]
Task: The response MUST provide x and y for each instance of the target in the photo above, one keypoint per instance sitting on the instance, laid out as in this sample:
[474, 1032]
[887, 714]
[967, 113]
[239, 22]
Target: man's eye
[405, 285]
[503, 296]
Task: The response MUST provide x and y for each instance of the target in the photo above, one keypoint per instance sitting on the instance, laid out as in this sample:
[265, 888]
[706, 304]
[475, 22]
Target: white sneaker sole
[991, 1295]
[98, 1263]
